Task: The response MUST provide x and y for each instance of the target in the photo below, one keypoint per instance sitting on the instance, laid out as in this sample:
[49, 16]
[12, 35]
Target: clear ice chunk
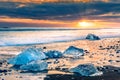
[86, 70]
[92, 37]
[26, 56]
[35, 66]
[74, 52]
[54, 54]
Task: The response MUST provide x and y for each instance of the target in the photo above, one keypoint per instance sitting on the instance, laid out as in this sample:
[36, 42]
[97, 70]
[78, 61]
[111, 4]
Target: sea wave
[14, 38]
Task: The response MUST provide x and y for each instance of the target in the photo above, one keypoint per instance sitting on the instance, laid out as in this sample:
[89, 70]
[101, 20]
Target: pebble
[117, 60]
[44, 47]
[3, 71]
[118, 51]
[110, 60]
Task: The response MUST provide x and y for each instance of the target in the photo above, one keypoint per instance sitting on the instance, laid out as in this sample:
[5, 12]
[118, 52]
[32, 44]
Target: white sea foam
[8, 38]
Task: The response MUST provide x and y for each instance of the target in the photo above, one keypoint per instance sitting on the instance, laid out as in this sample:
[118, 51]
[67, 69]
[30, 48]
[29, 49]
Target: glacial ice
[26, 56]
[53, 54]
[86, 70]
[35, 66]
[74, 51]
[92, 37]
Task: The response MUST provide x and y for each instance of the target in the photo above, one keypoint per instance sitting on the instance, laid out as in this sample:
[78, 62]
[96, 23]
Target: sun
[86, 24]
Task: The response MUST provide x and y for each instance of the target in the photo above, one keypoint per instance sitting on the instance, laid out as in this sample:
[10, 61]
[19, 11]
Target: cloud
[18, 22]
[56, 1]
[60, 11]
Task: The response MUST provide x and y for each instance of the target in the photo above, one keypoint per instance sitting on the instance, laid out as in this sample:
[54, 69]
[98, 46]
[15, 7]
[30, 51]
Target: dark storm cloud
[59, 11]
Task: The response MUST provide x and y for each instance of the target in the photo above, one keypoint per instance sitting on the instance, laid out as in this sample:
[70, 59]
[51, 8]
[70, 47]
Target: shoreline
[34, 44]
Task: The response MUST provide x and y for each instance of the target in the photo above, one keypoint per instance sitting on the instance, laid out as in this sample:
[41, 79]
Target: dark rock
[65, 69]
[116, 70]
[44, 47]
[100, 46]
[92, 37]
[111, 69]
[118, 51]
[9, 70]
[118, 41]
[58, 68]
[49, 62]
[3, 71]
[56, 62]
[90, 56]
[86, 51]
[0, 63]
[110, 61]
[20, 77]
[117, 60]
[111, 54]
[118, 56]
[100, 68]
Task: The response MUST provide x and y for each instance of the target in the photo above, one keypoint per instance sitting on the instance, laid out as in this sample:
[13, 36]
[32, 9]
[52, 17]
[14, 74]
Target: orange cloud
[28, 21]
[55, 23]
[49, 23]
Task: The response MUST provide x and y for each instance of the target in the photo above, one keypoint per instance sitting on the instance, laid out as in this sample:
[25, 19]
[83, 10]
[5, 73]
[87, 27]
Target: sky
[60, 13]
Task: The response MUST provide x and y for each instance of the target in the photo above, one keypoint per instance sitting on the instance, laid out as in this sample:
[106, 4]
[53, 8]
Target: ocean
[24, 36]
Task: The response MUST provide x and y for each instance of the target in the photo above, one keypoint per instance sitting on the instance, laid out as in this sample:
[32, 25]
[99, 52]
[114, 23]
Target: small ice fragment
[74, 51]
[35, 66]
[92, 37]
[28, 55]
[53, 54]
[86, 70]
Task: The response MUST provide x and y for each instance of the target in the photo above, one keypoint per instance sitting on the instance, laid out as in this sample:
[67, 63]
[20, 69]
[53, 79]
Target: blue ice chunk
[26, 56]
[85, 70]
[53, 54]
[74, 51]
[35, 66]
[92, 37]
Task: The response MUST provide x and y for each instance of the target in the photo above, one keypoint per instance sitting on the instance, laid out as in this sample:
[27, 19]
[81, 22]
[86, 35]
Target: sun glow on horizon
[86, 24]
[80, 24]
